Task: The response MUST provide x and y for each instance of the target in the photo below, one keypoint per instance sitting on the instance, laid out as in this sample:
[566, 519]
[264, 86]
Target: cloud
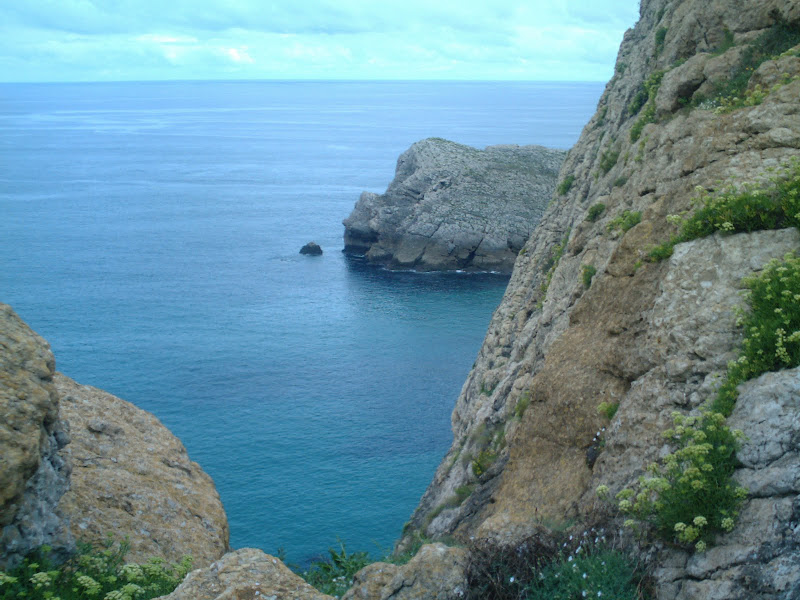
[535, 39]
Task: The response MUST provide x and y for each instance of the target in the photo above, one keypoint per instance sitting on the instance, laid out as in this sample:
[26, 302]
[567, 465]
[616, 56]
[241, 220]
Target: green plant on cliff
[627, 220]
[731, 93]
[773, 206]
[334, 575]
[550, 266]
[608, 159]
[587, 274]
[565, 185]
[648, 115]
[553, 566]
[691, 495]
[595, 211]
[92, 573]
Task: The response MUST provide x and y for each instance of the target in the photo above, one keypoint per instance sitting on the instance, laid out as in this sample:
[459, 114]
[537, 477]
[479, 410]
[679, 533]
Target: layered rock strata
[131, 477]
[33, 475]
[452, 207]
[653, 337]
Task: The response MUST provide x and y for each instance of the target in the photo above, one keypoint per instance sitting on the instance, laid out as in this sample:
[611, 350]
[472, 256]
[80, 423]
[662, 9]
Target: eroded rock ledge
[454, 207]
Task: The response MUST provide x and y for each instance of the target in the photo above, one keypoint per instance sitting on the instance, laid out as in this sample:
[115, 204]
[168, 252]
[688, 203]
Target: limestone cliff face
[654, 337]
[455, 207]
[123, 473]
[33, 475]
[132, 477]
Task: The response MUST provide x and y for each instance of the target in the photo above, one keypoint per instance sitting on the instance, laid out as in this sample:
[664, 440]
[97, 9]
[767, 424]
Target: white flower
[511, 579]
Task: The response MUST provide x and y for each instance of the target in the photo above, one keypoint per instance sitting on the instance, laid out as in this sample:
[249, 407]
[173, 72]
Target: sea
[151, 232]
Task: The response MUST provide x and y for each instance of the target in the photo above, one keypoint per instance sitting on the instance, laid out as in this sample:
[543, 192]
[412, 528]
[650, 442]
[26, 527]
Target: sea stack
[453, 207]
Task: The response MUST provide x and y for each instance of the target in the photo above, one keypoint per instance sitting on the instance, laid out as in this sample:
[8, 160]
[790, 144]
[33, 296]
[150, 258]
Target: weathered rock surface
[33, 476]
[311, 249]
[455, 207]
[132, 477]
[437, 572]
[654, 337]
[246, 574]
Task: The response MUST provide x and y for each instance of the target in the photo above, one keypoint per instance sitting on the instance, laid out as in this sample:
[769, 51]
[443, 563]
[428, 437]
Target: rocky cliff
[122, 473]
[455, 207]
[131, 476]
[33, 475]
[587, 318]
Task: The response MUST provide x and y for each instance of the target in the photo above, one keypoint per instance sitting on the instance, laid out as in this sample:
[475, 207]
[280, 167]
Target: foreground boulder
[452, 207]
[132, 477]
[33, 475]
[437, 572]
[246, 574]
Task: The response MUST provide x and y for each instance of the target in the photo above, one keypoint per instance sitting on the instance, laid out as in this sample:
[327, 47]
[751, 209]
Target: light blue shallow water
[150, 232]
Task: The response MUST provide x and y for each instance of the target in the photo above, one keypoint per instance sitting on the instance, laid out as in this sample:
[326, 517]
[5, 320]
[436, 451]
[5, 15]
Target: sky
[118, 40]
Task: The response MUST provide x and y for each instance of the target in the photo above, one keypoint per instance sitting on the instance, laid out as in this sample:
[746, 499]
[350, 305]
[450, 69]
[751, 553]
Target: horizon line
[298, 80]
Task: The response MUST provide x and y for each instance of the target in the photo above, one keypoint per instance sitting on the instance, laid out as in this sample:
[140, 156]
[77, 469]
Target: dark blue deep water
[150, 232]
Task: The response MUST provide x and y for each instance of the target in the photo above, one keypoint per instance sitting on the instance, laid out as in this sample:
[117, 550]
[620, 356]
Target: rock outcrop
[455, 207]
[33, 475]
[246, 574]
[311, 249]
[121, 473]
[437, 572]
[132, 477]
[653, 337]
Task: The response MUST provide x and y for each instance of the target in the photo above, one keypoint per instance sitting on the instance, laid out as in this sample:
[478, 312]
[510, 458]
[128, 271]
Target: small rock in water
[311, 248]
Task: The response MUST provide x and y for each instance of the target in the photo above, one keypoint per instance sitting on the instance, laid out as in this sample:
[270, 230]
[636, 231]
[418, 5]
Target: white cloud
[362, 39]
[239, 55]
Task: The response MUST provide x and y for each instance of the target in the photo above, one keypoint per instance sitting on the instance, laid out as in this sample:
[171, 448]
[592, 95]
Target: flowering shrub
[690, 495]
[771, 327]
[554, 566]
[751, 209]
[92, 573]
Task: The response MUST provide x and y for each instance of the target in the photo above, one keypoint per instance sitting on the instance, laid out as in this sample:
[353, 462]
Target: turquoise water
[150, 232]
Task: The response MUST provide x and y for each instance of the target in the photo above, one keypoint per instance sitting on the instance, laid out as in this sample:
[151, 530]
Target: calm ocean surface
[150, 232]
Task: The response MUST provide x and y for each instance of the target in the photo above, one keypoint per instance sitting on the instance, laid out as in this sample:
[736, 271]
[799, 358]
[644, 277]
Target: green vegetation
[595, 211]
[92, 573]
[550, 267]
[774, 206]
[566, 185]
[587, 274]
[646, 97]
[772, 328]
[625, 221]
[564, 568]
[490, 453]
[732, 92]
[522, 405]
[609, 409]
[334, 576]
[661, 35]
[608, 159]
[727, 42]
[691, 495]
[620, 181]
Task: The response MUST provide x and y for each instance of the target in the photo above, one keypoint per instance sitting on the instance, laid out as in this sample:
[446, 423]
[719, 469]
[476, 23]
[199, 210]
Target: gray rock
[33, 475]
[437, 572]
[245, 574]
[311, 249]
[455, 207]
[653, 337]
